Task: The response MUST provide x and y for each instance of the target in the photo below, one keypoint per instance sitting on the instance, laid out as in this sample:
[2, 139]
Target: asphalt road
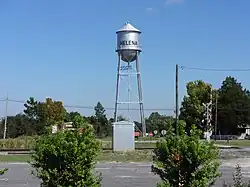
[116, 174]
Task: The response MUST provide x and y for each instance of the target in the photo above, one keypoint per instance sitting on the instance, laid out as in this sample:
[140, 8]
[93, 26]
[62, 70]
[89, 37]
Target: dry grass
[27, 143]
[237, 143]
[105, 156]
[21, 142]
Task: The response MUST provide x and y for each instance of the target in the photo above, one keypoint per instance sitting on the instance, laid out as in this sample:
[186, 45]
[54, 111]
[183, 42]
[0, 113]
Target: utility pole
[5, 120]
[216, 115]
[176, 99]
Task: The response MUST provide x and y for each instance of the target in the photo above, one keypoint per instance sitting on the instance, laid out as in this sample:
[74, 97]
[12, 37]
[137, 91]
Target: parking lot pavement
[114, 174]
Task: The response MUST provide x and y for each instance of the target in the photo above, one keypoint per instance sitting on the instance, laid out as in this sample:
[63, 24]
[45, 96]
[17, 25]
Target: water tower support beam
[140, 95]
[117, 86]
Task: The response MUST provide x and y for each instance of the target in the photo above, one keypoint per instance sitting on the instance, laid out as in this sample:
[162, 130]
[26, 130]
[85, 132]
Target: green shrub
[186, 160]
[67, 158]
[2, 171]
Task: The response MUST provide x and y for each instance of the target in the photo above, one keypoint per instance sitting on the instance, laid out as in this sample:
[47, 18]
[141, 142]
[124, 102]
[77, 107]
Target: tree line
[232, 109]
[38, 118]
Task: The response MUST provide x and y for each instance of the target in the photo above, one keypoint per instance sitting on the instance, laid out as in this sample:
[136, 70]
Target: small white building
[245, 129]
[61, 127]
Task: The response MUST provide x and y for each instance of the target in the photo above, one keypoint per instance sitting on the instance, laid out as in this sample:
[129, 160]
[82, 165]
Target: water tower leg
[117, 87]
[140, 95]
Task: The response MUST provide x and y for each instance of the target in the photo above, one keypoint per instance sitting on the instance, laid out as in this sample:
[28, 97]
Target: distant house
[62, 127]
[245, 130]
[65, 126]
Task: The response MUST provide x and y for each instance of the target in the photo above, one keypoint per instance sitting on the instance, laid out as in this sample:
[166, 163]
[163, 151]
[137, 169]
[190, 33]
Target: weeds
[238, 179]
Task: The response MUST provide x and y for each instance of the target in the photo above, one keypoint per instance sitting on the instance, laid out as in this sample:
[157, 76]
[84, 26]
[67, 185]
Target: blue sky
[66, 49]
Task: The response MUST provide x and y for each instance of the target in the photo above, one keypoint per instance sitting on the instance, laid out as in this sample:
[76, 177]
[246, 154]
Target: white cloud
[169, 2]
[150, 9]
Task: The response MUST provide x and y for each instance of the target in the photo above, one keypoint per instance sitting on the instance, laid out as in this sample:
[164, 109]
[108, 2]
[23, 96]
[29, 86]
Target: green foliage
[2, 171]
[42, 115]
[34, 119]
[31, 108]
[159, 122]
[18, 125]
[51, 112]
[101, 123]
[99, 110]
[192, 110]
[186, 160]
[71, 115]
[79, 121]
[121, 118]
[22, 124]
[234, 106]
[67, 158]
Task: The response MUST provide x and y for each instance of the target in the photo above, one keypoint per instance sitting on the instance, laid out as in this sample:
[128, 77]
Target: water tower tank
[128, 42]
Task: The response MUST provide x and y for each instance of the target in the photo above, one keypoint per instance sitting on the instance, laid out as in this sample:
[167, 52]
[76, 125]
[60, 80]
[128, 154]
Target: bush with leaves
[67, 158]
[2, 171]
[186, 160]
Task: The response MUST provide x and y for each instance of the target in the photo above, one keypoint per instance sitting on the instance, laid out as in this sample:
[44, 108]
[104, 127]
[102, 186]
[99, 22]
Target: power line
[92, 108]
[213, 69]
[112, 108]
[89, 107]
[16, 101]
[210, 69]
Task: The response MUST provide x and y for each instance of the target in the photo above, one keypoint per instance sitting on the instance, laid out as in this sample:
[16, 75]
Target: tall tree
[31, 112]
[233, 106]
[51, 112]
[192, 109]
[31, 108]
[102, 125]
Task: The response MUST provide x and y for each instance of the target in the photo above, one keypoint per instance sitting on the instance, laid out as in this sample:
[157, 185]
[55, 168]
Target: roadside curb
[227, 147]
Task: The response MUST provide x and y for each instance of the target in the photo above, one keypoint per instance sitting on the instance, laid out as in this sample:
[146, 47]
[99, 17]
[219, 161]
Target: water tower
[128, 51]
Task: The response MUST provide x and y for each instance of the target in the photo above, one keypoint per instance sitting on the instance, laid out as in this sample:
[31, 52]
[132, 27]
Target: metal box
[123, 136]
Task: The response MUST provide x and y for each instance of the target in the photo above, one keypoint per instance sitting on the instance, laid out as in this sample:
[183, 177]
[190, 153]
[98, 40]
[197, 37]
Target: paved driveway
[115, 174]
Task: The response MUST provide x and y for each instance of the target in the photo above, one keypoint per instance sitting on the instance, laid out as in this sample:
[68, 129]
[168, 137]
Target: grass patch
[237, 143]
[138, 145]
[105, 156]
[136, 139]
[26, 142]
[14, 158]
[131, 156]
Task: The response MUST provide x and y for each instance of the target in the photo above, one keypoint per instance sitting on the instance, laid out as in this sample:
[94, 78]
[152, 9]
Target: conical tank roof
[128, 27]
